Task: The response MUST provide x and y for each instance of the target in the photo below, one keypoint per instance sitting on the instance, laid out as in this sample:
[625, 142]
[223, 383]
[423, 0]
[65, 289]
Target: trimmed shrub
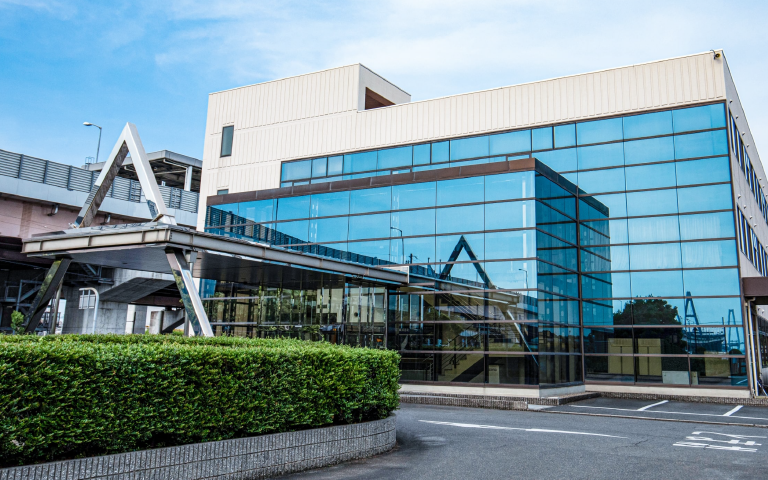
[68, 396]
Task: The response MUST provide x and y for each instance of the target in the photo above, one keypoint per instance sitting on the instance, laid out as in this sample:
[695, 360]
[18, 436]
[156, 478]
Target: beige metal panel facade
[261, 146]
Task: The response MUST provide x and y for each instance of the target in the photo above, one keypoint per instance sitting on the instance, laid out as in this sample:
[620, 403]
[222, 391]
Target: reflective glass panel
[653, 229]
[412, 250]
[710, 311]
[603, 232]
[559, 160]
[609, 369]
[328, 230]
[707, 170]
[697, 199]
[512, 274]
[469, 148]
[565, 135]
[616, 204]
[608, 340]
[395, 157]
[413, 195]
[298, 230]
[469, 368]
[508, 186]
[258, 211]
[709, 254]
[651, 176]
[541, 138]
[656, 202]
[421, 154]
[650, 150]
[319, 167]
[460, 190]
[504, 215]
[445, 246]
[723, 281]
[605, 285]
[511, 142]
[729, 372]
[707, 225]
[704, 144]
[699, 118]
[597, 156]
[360, 162]
[296, 170]
[413, 222]
[289, 208]
[377, 249]
[460, 219]
[652, 257]
[606, 312]
[599, 131]
[598, 181]
[667, 370]
[440, 152]
[371, 200]
[329, 204]
[517, 244]
[369, 226]
[648, 125]
[657, 284]
[513, 369]
[336, 165]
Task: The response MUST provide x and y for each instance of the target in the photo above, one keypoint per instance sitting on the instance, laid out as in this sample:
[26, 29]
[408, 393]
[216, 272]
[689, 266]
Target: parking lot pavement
[668, 410]
[436, 442]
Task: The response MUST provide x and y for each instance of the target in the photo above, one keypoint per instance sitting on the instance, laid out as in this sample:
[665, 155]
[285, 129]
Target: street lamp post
[402, 242]
[526, 277]
[98, 147]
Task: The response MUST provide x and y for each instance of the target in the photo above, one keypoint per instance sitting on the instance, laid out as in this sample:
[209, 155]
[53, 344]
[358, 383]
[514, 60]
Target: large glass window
[707, 225]
[289, 208]
[650, 150]
[360, 162]
[599, 181]
[227, 133]
[460, 190]
[503, 245]
[654, 256]
[721, 281]
[709, 254]
[413, 222]
[499, 216]
[508, 186]
[370, 200]
[559, 160]
[648, 125]
[297, 170]
[469, 148]
[421, 154]
[413, 195]
[699, 118]
[599, 131]
[651, 176]
[598, 156]
[704, 144]
[512, 142]
[657, 284]
[329, 204]
[707, 170]
[653, 229]
[258, 211]
[655, 202]
[369, 226]
[396, 157]
[328, 229]
[712, 197]
[460, 219]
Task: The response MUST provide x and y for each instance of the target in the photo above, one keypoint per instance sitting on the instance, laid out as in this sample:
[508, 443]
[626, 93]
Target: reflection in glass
[328, 229]
[599, 181]
[653, 257]
[707, 225]
[511, 142]
[371, 200]
[289, 208]
[329, 204]
[468, 148]
[541, 138]
[704, 144]
[513, 369]
[559, 160]
[504, 215]
[609, 369]
[649, 150]
[651, 176]
[711, 197]
[709, 254]
[722, 281]
[657, 284]
[469, 218]
[648, 125]
[658, 229]
[719, 371]
[599, 131]
[699, 118]
[655, 202]
[507, 186]
[608, 155]
[706, 170]
[369, 226]
[413, 195]
[460, 190]
[662, 370]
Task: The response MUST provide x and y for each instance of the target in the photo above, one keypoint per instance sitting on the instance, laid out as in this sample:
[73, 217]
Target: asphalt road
[466, 443]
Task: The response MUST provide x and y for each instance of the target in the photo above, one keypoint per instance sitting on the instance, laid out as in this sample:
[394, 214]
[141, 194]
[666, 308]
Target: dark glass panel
[541, 138]
[656, 202]
[336, 165]
[598, 156]
[609, 369]
[648, 125]
[504, 215]
[369, 226]
[605, 259]
[731, 372]
[653, 311]
[704, 144]
[258, 211]
[711, 197]
[555, 309]
[413, 195]
[469, 148]
[414, 336]
[657, 284]
[551, 221]
[653, 229]
[329, 204]
[707, 225]
[296, 170]
[558, 339]
[371, 200]
[413, 222]
[440, 152]
[699, 118]
[555, 196]
[421, 154]
[667, 370]
[605, 285]
[714, 341]
[513, 369]
[707, 170]
[616, 204]
[649, 150]
[517, 244]
[557, 280]
[608, 340]
[360, 162]
[460, 367]
[606, 312]
[604, 232]
[328, 230]
[395, 157]
[460, 219]
[599, 181]
[511, 142]
[599, 131]
[557, 369]
[460, 190]
[417, 366]
[661, 341]
[723, 281]
[553, 250]
[654, 256]
[508, 186]
[565, 135]
[709, 254]
[651, 176]
[289, 208]
[559, 160]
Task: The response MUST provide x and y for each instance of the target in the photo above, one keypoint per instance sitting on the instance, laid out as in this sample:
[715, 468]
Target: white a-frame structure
[128, 141]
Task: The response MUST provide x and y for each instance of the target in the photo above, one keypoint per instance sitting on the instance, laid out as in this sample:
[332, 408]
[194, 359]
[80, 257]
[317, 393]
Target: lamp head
[87, 124]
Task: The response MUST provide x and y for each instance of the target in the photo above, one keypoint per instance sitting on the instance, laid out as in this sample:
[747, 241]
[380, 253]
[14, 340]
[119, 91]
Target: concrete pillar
[111, 319]
[188, 179]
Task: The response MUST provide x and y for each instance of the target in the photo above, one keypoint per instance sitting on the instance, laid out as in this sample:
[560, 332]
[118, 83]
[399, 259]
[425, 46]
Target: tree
[17, 322]
[652, 311]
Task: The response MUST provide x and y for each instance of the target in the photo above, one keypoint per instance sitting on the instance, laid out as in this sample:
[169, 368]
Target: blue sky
[153, 63]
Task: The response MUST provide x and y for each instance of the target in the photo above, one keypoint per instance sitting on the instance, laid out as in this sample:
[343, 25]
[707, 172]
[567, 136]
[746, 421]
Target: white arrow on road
[540, 430]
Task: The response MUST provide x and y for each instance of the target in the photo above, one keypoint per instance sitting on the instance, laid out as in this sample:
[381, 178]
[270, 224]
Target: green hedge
[67, 396]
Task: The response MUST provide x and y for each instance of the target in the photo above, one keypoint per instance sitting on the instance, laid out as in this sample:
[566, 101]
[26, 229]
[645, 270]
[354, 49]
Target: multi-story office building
[588, 230]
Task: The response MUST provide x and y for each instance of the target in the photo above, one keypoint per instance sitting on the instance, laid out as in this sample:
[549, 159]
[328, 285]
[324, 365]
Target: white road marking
[540, 430]
[538, 407]
[652, 405]
[664, 411]
[734, 410]
[733, 442]
[740, 437]
[714, 447]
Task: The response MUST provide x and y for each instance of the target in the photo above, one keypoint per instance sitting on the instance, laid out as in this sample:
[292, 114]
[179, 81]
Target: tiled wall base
[243, 458]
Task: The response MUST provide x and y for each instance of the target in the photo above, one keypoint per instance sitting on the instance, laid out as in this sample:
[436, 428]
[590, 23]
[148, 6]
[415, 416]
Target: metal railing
[78, 179]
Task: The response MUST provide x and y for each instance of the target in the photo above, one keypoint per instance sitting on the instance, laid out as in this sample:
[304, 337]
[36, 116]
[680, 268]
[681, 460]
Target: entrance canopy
[757, 288]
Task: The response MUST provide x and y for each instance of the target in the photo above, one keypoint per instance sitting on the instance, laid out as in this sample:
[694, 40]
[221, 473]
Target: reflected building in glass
[585, 232]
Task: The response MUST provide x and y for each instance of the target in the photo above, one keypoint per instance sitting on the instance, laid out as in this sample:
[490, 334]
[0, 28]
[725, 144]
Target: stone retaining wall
[490, 401]
[243, 458]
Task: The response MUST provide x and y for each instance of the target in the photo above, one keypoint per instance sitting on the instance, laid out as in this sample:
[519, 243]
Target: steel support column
[193, 306]
[48, 289]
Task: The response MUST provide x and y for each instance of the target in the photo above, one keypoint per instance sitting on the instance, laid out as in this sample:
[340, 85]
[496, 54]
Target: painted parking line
[671, 413]
[537, 430]
[720, 441]
[734, 410]
[642, 409]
